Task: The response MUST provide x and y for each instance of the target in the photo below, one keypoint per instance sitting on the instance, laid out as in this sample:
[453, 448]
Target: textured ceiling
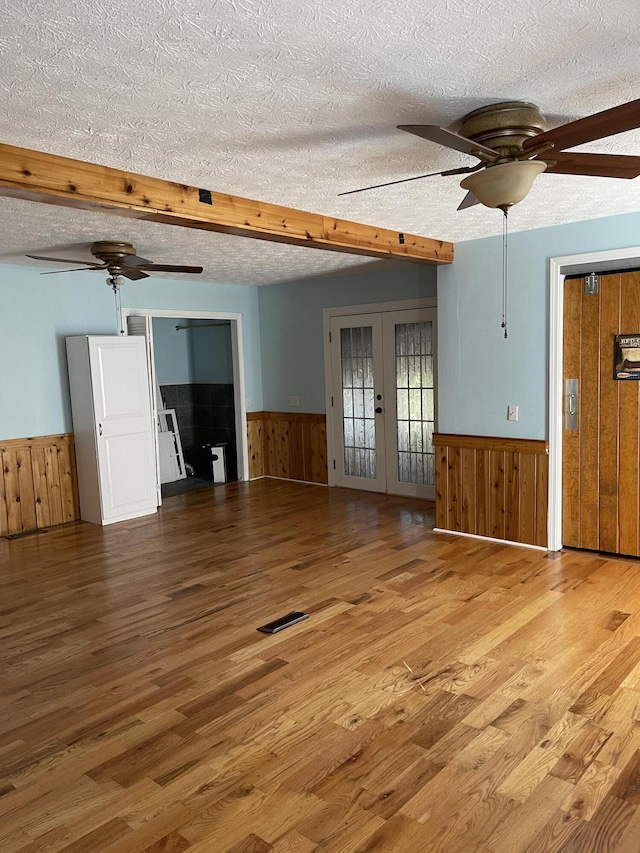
[291, 102]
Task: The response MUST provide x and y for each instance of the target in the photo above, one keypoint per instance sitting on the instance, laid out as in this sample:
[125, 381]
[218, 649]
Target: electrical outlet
[247, 403]
[294, 401]
[512, 413]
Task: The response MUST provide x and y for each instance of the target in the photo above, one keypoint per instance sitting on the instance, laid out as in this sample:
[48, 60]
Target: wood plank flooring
[445, 696]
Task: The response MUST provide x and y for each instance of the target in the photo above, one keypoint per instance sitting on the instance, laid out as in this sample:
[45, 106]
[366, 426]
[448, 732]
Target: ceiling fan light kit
[505, 184]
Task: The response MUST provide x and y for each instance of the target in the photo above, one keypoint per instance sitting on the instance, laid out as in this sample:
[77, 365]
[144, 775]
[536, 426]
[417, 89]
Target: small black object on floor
[26, 533]
[283, 622]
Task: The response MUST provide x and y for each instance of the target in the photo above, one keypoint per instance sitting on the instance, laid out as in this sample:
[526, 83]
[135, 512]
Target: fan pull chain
[114, 284]
[119, 310]
[115, 299]
[505, 234]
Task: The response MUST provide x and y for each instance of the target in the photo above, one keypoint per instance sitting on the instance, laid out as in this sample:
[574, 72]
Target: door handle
[378, 410]
[100, 428]
[571, 413]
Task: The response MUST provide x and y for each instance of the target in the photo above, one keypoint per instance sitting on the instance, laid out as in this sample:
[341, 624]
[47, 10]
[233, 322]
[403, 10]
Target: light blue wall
[203, 296]
[172, 351]
[479, 373]
[291, 326]
[188, 355]
[212, 355]
[38, 312]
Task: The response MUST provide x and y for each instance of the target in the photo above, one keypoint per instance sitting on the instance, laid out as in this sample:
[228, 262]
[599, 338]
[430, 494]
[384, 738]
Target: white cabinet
[113, 427]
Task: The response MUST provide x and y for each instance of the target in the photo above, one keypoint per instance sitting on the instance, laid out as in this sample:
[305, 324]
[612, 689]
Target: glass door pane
[358, 419]
[415, 400]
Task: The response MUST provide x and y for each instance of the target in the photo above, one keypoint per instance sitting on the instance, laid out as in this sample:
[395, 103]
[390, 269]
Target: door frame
[237, 355]
[342, 311]
[559, 267]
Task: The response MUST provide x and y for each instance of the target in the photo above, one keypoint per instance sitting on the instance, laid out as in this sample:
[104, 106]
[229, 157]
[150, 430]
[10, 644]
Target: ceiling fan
[118, 259]
[513, 147]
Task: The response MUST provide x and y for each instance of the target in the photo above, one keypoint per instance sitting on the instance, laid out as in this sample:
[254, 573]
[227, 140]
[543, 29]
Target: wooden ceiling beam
[48, 178]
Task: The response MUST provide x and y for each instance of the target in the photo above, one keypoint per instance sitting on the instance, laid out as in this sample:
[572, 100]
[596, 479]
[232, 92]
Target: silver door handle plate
[571, 411]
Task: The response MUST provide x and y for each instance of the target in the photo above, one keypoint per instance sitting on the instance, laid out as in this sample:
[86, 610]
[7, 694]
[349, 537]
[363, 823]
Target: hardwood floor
[446, 695]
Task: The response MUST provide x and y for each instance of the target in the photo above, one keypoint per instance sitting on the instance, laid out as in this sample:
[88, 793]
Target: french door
[383, 392]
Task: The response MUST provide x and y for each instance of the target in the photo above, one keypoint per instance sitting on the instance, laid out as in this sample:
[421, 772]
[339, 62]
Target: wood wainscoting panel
[291, 445]
[38, 485]
[255, 441]
[493, 487]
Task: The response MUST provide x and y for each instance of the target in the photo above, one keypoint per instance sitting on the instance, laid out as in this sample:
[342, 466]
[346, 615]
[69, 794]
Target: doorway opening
[196, 413]
[196, 378]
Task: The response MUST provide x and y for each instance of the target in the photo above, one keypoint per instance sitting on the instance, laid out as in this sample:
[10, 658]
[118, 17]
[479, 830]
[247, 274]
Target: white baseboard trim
[490, 539]
[289, 480]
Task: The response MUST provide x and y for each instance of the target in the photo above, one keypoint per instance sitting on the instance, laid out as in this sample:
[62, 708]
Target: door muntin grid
[415, 399]
[358, 416]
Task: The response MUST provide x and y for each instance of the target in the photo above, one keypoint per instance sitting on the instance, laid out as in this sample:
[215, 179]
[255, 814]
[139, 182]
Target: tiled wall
[205, 415]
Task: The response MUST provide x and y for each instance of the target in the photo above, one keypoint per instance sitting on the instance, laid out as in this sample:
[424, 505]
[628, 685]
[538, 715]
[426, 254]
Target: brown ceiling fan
[513, 146]
[118, 259]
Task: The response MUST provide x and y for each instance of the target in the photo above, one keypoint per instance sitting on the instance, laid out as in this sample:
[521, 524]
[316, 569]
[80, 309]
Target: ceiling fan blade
[451, 140]
[61, 260]
[77, 269]
[167, 268]
[462, 171]
[135, 261]
[132, 273]
[468, 201]
[598, 165]
[597, 126]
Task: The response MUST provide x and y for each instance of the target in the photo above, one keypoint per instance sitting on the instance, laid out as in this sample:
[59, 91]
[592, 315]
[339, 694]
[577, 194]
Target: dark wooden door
[601, 470]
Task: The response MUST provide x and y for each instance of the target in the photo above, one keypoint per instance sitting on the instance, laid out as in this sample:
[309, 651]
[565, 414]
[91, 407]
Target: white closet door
[124, 426]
